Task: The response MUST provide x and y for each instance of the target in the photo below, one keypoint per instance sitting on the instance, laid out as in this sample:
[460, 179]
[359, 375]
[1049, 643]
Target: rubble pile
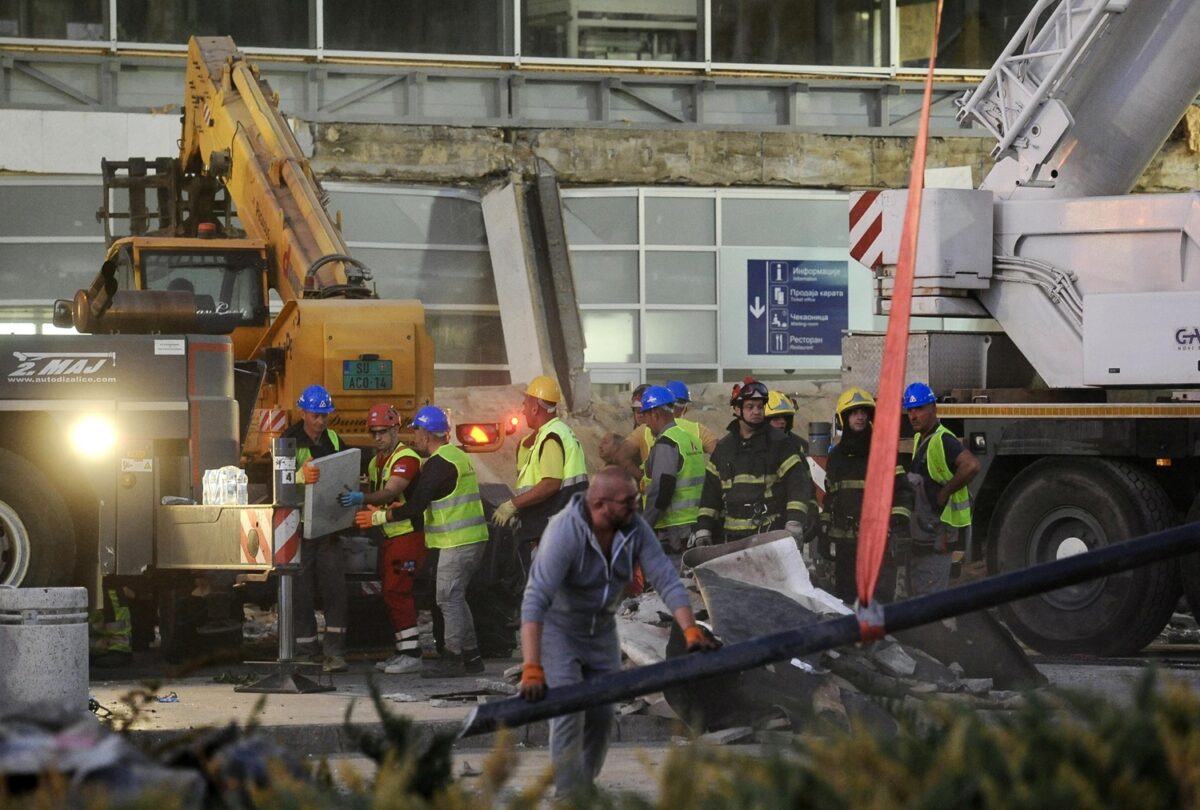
[761, 586]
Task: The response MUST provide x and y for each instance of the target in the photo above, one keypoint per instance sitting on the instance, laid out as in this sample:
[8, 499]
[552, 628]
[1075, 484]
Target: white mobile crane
[1097, 437]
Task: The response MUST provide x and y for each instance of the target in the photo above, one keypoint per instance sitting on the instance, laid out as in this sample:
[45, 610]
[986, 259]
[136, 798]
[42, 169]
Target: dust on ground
[710, 406]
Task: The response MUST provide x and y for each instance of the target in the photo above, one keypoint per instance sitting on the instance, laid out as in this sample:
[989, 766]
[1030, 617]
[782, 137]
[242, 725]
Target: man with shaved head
[568, 630]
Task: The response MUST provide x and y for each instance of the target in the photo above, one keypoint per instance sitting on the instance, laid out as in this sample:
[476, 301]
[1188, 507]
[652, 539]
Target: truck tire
[1061, 506]
[37, 538]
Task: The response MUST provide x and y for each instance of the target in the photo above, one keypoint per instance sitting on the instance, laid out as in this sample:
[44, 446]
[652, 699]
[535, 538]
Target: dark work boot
[472, 662]
[450, 665]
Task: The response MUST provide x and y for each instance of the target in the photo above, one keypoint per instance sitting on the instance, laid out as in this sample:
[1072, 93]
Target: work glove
[533, 682]
[702, 537]
[700, 639]
[311, 473]
[350, 498]
[505, 514]
[795, 528]
[368, 518]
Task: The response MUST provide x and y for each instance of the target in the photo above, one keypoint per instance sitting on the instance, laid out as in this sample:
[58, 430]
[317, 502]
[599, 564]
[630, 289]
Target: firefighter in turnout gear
[674, 474]
[757, 479]
[392, 470]
[845, 482]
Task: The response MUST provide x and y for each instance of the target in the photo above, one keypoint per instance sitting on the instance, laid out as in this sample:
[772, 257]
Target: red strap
[881, 464]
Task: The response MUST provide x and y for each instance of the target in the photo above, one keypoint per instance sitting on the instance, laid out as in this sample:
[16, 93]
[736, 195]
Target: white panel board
[322, 512]
[1141, 338]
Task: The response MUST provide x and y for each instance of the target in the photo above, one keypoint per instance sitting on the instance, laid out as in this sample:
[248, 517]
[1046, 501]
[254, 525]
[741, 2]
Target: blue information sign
[796, 307]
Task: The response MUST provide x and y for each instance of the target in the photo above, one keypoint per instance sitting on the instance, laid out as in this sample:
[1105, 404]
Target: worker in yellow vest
[674, 474]
[447, 495]
[550, 467]
[683, 400]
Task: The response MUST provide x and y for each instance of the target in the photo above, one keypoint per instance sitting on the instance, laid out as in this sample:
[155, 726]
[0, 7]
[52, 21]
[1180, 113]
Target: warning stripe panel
[866, 225]
[1098, 411]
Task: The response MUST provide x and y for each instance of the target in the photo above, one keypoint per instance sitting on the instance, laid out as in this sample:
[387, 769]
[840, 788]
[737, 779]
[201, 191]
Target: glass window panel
[765, 222]
[463, 378]
[611, 336]
[677, 277]
[681, 337]
[680, 221]
[409, 218]
[973, 34]
[262, 23]
[47, 271]
[480, 27]
[664, 31]
[50, 211]
[601, 220]
[605, 277]
[801, 32]
[433, 276]
[53, 19]
[689, 376]
[467, 337]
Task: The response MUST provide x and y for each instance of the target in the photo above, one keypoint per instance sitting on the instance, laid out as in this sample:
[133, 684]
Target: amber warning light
[480, 437]
[511, 426]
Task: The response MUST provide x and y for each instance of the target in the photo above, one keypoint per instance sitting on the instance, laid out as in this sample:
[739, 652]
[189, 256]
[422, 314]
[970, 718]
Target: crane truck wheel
[37, 539]
[1057, 507]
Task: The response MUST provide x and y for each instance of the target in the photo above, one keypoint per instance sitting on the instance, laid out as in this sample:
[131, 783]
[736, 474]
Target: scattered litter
[469, 770]
[439, 703]
[496, 687]
[170, 697]
[635, 706]
[402, 697]
[727, 735]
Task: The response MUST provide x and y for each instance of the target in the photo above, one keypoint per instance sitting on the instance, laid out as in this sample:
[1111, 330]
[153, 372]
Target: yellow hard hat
[778, 404]
[543, 388]
[850, 399]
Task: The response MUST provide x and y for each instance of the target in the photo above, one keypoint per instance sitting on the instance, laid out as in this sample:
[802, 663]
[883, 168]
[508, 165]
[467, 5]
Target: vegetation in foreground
[1059, 750]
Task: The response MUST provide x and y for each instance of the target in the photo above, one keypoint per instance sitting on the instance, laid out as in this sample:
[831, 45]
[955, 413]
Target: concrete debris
[496, 687]
[513, 674]
[402, 697]
[642, 643]
[728, 735]
[636, 706]
[761, 586]
[647, 608]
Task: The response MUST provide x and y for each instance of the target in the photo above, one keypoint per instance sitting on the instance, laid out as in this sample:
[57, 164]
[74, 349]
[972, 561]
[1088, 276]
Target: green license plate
[366, 375]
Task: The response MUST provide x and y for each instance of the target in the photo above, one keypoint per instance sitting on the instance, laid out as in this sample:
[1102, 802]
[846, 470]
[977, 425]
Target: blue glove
[350, 498]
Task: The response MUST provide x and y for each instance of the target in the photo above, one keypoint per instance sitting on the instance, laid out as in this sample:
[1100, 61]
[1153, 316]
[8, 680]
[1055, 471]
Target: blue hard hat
[431, 419]
[679, 390]
[918, 394]
[315, 399]
[656, 396]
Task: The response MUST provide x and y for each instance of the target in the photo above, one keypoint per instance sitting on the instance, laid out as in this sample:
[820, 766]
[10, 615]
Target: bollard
[43, 647]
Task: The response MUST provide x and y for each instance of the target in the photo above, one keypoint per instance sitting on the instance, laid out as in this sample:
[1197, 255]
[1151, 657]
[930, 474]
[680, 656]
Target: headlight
[92, 436]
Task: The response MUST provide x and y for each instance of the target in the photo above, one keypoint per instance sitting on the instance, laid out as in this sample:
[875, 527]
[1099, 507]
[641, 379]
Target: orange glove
[533, 682]
[699, 640]
[367, 518]
[311, 473]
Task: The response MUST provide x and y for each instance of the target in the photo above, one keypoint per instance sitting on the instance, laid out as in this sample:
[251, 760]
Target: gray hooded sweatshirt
[573, 587]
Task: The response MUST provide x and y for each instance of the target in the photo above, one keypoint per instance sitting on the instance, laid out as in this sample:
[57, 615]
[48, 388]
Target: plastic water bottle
[228, 485]
[243, 488]
[210, 487]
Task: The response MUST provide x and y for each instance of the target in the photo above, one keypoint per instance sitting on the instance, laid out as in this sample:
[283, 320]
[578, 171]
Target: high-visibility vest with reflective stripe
[529, 471]
[379, 478]
[692, 427]
[689, 481]
[958, 508]
[303, 454]
[457, 519]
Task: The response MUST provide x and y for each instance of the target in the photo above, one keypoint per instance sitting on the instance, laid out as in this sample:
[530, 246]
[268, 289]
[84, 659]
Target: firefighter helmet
[315, 399]
[779, 404]
[852, 399]
[749, 388]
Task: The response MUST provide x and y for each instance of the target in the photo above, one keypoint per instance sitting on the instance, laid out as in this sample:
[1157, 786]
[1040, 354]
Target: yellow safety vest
[380, 477]
[958, 507]
[689, 482]
[457, 519]
[529, 471]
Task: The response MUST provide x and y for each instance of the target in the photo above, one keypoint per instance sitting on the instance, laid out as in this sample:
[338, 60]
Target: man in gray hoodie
[568, 630]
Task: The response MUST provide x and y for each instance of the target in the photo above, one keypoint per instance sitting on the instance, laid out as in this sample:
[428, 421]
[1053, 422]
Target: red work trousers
[400, 558]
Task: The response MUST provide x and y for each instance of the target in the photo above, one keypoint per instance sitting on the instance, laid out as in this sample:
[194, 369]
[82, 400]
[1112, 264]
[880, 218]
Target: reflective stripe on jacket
[457, 519]
[379, 478]
[689, 482]
[958, 508]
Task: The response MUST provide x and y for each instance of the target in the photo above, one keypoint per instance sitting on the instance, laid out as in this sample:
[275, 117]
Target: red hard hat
[382, 416]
